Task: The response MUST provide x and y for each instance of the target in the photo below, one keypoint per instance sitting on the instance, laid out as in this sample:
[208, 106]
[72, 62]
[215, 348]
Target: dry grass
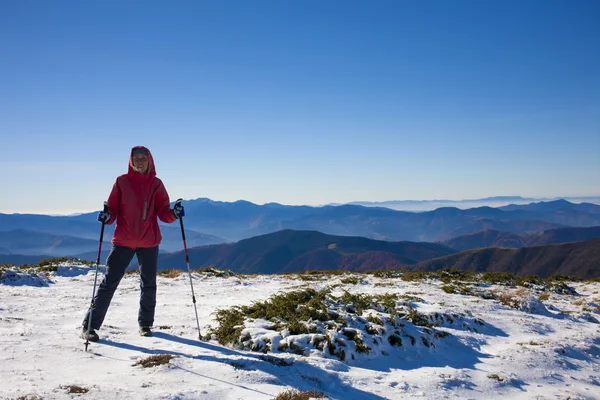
[154, 361]
[74, 389]
[532, 343]
[298, 395]
[170, 273]
[544, 296]
[511, 298]
[496, 377]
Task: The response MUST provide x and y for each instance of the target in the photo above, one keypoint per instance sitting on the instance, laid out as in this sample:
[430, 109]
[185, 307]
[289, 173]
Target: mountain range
[494, 238]
[496, 201]
[252, 238]
[580, 259]
[293, 251]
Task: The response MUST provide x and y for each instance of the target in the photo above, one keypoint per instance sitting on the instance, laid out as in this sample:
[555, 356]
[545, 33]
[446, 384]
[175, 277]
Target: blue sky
[305, 102]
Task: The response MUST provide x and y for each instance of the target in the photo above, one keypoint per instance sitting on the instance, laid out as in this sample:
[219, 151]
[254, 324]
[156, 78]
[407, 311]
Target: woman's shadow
[287, 372]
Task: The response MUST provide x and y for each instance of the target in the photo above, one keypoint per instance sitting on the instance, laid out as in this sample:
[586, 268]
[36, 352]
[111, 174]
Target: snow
[542, 349]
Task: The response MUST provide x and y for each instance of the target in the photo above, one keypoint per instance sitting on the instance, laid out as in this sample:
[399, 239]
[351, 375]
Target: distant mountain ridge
[495, 238]
[496, 201]
[27, 242]
[240, 220]
[212, 222]
[28, 233]
[292, 251]
[552, 206]
[581, 259]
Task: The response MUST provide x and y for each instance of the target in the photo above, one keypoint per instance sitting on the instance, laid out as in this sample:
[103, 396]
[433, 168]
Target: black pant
[117, 262]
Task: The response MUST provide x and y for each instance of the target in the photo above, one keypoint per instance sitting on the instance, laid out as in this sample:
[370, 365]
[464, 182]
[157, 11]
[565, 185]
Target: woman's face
[140, 164]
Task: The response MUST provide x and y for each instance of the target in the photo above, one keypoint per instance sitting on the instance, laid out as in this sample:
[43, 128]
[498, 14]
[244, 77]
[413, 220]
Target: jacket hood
[151, 167]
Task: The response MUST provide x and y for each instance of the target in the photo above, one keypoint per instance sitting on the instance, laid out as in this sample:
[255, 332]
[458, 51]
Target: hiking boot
[92, 336]
[145, 331]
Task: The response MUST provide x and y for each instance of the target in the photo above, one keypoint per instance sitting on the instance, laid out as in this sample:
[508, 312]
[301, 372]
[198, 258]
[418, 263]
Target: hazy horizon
[418, 206]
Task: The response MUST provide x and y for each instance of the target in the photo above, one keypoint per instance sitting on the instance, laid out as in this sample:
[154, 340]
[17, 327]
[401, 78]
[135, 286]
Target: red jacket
[135, 202]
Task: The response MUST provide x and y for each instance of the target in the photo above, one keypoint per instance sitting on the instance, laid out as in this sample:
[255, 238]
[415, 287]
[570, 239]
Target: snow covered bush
[310, 322]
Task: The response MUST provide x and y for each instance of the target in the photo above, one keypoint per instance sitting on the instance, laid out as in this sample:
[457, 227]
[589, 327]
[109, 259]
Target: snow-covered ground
[547, 349]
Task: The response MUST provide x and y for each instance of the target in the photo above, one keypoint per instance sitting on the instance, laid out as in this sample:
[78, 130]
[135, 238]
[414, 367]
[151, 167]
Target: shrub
[374, 320]
[298, 395]
[449, 275]
[395, 340]
[458, 289]
[231, 324]
[351, 280]
[64, 260]
[417, 318]
[506, 278]
[415, 276]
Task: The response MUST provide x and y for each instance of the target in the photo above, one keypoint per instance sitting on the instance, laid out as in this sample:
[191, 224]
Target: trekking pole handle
[178, 202]
[187, 258]
[105, 209]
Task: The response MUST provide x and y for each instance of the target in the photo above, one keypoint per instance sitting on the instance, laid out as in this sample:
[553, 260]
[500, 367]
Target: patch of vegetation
[417, 318]
[561, 287]
[512, 298]
[352, 334]
[155, 360]
[447, 275]
[292, 306]
[74, 389]
[531, 343]
[351, 280]
[458, 289]
[415, 276]
[170, 273]
[544, 296]
[327, 272]
[563, 278]
[216, 272]
[355, 302]
[280, 362]
[414, 299]
[64, 260]
[231, 324]
[374, 320]
[309, 319]
[387, 274]
[395, 340]
[496, 377]
[500, 278]
[299, 395]
[308, 278]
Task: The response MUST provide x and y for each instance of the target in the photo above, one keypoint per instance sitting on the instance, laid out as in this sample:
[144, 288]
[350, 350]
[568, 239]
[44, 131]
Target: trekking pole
[92, 305]
[187, 261]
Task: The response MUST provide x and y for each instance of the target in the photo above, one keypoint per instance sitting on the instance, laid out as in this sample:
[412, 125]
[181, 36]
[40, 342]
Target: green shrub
[231, 324]
[351, 280]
